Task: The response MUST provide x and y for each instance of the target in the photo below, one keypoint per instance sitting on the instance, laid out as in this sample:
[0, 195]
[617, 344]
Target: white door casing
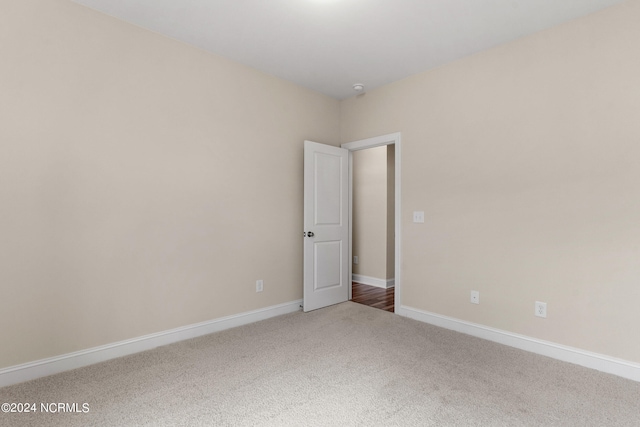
[377, 141]
[326, 226]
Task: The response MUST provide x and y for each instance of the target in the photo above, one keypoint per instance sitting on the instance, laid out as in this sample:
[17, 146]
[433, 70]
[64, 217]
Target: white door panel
[326, 225]
[328, 258]
[327, 189]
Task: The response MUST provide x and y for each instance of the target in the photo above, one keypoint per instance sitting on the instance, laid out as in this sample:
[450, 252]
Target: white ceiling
[328, 45]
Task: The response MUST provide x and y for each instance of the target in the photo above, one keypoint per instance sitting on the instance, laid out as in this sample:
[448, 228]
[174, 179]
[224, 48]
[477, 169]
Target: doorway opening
[373, 227]
[374, 247]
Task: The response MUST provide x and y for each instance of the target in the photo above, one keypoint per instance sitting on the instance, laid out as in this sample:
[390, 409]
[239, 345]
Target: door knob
[310, 234]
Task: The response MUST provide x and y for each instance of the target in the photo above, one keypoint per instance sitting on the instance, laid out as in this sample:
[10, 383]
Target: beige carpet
[346, 365]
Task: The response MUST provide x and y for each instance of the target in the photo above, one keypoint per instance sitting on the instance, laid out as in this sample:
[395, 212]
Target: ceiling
[329, 45]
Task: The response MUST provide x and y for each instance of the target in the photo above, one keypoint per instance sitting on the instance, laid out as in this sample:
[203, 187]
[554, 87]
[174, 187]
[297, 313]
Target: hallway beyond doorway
[373, 296]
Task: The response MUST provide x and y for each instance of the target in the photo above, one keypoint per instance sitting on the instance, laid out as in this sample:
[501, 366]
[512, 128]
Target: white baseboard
[600, 362]
[53, 365]
[373, 281]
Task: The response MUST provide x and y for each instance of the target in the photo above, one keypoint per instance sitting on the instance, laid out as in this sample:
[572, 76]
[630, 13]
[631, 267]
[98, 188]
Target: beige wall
[526, 161]
[370, 212]
[374, 212]
[391, 211]
[145, 184]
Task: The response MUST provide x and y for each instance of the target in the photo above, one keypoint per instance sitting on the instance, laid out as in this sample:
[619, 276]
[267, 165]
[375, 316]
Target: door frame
[363, 144]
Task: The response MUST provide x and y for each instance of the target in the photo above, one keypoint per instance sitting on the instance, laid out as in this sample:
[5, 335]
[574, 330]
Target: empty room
[178, 215]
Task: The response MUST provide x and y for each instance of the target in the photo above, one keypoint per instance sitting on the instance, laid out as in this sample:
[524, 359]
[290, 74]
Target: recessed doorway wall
[373, 216]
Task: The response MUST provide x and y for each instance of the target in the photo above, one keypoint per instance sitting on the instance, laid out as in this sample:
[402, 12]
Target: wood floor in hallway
[373, 296]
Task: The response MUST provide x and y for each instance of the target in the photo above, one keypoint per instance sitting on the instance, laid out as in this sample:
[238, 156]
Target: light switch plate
[418, 216]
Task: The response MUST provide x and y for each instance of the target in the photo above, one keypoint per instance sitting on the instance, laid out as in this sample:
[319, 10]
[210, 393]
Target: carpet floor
[345, 365]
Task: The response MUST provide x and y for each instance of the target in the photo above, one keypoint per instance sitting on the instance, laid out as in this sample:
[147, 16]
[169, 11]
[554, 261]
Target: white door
[326, 225]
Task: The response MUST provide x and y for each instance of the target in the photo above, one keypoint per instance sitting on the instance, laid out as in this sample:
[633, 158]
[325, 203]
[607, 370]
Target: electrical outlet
[475, 297]
[355, 259]
[259, 285]
[418, 216]
[541, 309]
